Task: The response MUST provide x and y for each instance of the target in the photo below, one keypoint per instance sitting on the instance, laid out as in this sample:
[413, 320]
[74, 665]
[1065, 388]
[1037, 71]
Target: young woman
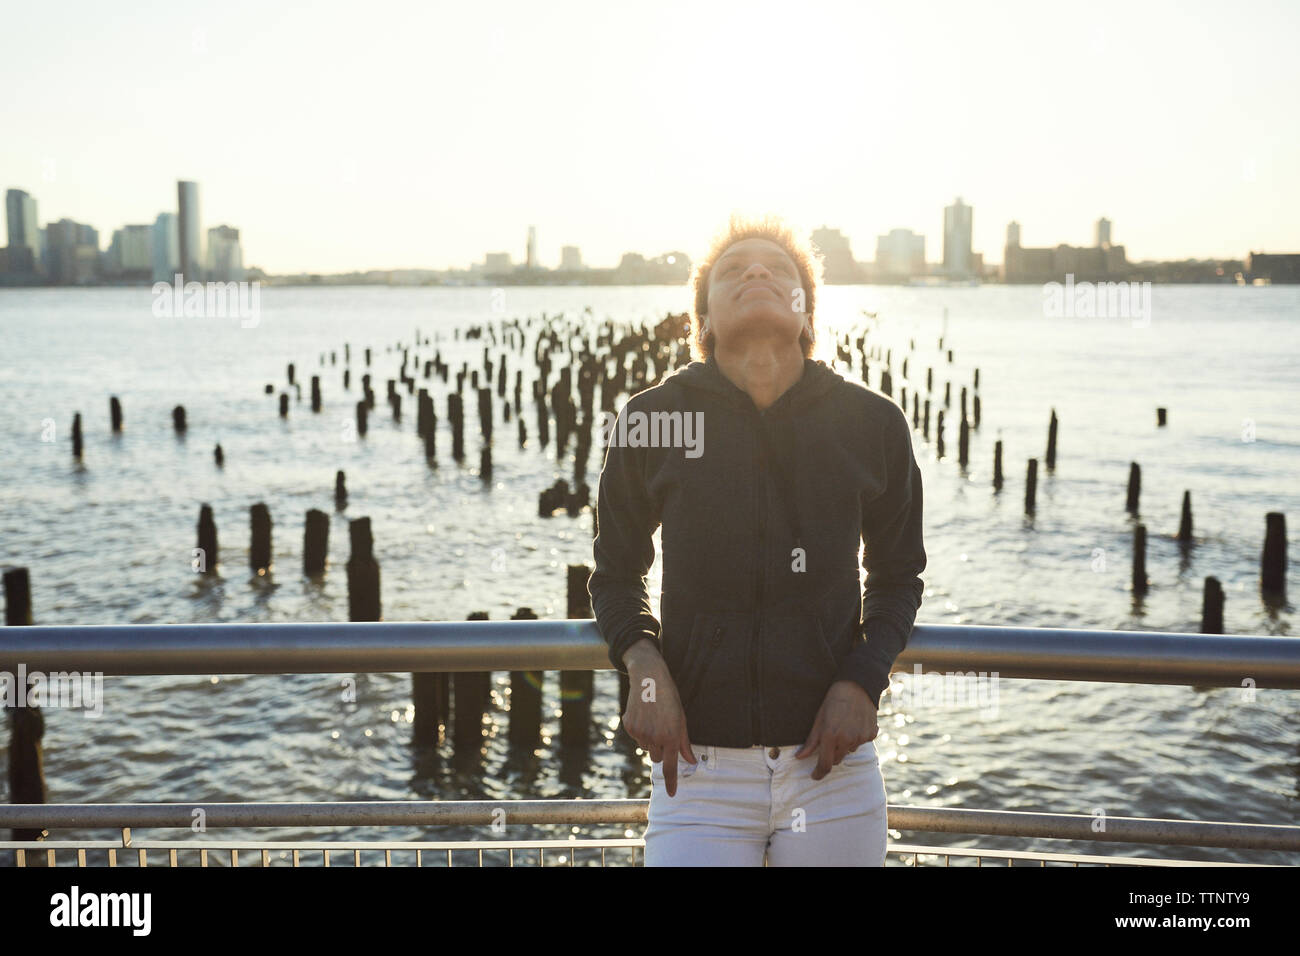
[757, 695]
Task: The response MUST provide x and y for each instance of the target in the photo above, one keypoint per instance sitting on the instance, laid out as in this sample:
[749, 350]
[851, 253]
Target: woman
[757, 696]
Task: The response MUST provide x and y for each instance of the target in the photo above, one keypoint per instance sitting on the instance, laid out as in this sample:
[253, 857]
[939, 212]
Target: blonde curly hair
[742, 226]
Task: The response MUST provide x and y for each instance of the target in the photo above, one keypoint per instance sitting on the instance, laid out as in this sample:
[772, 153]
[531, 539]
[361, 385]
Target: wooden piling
[315, 542]
[259, 552]
[1051, 441]
[207, 543]
[1185, 522]
[963, 442]
[997, 465]
[115, 414]
[938, 435]
[219, 456]
[1134, 488]
[1031, 484]
[178, 418]
[471, 697]
[284, 404]
[315, 393]
[1161, 418]
[363, 573]
[362, 415]
[340, 491]
[1140, 559]
[526, 699]
[76, 435]
[1273, 561]
[1212, 606]
[26, 723]
[576, 687]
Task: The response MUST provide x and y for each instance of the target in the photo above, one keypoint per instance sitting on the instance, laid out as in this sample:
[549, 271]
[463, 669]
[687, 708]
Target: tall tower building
[24, 234]
[1103, 233]
[1013, 235]
[225, 257]
[530, 260]
[957, 218]
[189, 235]
[165, 247]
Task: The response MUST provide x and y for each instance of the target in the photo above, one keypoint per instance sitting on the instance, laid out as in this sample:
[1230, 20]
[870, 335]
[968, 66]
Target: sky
[338, 136]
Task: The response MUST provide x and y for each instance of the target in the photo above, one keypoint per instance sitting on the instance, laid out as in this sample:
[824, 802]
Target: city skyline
[369, 147]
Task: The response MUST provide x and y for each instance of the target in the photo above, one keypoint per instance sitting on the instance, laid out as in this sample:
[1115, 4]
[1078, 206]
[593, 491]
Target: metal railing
[1043, 653]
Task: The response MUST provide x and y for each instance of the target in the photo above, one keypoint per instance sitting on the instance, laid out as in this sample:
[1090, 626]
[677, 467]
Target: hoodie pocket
[796, 669]
[714, 683]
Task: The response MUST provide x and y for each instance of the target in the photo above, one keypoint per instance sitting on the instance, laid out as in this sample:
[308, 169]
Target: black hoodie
[763, 516]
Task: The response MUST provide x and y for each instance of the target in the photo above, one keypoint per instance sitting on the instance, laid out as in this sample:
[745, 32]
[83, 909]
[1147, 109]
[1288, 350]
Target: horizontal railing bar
[902, 848]
[898, 849]
[1016, 823]
[1142, 657]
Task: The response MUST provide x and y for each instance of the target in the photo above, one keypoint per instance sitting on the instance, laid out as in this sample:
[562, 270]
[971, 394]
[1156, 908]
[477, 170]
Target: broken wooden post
[471, 696]
[1031, 484]
[526, 699]
[76, 435]
[576, 687]
[178, 418]
[1273, 561]
[115, 414]
[1051, 441]
[1185, 522]
[363, 573]
[1134, 488]
[1140, 559]
[259, 553]
[997, 465]
[1212, 606]
[340, 491]
[207, 544]
[315, 542]
[26, 723]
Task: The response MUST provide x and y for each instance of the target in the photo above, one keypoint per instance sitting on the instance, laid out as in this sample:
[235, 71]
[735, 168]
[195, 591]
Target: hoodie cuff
[619, 646]
[871, 661]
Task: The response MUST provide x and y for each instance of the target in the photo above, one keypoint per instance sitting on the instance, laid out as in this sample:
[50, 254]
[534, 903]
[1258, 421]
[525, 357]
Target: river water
[108, 540]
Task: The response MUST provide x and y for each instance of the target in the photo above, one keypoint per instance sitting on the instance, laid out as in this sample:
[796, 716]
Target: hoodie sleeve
[623, 551]
[894, 558]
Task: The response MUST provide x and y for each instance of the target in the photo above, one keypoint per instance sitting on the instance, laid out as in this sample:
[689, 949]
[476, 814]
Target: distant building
[899, 255]
[190, 235]
[496, 262]
[671, 268]
[1278, 268]
[530, 260]
[24, 249]
[957, 231]
[1102, 239]
[73, 253]
[166, 252]
[1096, 263]
[838, 264]
[225, 257]
[570, 259]
[130, 253]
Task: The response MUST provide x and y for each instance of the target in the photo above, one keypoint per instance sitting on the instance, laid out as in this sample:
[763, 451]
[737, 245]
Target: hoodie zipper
[755, 708]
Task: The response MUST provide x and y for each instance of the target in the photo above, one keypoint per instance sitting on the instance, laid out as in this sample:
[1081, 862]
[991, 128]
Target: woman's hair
[741, 226]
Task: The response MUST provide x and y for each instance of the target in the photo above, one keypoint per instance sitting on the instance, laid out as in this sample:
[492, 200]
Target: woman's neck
[762, 372]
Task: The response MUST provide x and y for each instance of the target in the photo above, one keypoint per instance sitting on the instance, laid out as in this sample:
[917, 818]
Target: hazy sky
[342, 135]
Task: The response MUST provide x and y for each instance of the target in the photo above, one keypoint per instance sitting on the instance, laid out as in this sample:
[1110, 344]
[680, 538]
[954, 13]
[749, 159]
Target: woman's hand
[846, 721]
[654, 717]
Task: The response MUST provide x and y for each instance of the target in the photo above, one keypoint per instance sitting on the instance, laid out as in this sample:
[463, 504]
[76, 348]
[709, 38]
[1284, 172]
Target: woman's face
[755, 296]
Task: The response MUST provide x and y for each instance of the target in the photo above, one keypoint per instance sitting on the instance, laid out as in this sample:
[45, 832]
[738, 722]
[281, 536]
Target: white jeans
[738, 805]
